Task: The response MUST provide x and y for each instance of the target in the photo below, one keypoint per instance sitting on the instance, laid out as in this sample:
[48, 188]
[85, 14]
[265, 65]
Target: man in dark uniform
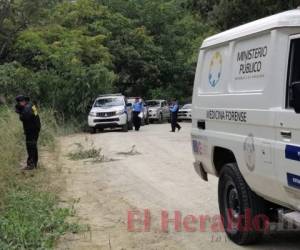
[32, 125]
[174, 114]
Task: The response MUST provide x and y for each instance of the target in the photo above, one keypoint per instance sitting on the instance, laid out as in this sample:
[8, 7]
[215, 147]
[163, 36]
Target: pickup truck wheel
[242, 211]
[125, 127]
[93, 130]
[143, 122]
[161, 118]
[130, 125]
[147, 120]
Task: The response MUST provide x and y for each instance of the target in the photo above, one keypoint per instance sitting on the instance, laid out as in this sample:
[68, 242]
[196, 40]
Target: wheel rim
[233, 207]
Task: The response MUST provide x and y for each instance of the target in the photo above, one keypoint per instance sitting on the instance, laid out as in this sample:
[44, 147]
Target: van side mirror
[296, 96]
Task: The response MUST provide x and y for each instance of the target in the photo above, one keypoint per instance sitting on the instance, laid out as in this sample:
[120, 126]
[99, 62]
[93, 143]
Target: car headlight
[120, 112]
[93, 113]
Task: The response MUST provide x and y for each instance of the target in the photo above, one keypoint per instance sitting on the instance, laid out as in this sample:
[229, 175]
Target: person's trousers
[174, 123]
[32, 149]
[136, 120]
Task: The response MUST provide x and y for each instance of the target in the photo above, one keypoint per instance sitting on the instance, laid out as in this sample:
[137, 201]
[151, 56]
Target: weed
[81, 153]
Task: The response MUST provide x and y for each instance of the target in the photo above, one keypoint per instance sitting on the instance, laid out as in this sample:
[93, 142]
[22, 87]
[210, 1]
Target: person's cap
[21, 98]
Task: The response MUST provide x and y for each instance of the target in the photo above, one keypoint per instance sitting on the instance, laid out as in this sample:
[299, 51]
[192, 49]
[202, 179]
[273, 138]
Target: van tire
[93, 130]
[235, 195]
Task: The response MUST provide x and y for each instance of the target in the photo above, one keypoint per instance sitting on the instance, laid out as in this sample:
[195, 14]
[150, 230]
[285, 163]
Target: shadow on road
[284, 240]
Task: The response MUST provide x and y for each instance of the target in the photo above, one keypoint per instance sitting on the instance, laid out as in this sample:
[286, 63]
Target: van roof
[285, 19]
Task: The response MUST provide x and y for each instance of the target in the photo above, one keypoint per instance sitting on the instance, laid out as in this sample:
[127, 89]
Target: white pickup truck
[246, 122]
[110, 111]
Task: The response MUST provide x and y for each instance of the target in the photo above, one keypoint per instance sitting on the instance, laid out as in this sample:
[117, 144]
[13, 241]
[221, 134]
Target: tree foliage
[225, 14]
[65, 53]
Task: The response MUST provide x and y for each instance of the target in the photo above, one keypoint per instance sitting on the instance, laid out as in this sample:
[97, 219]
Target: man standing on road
[137, 109]
[32, 125]
[174, 113]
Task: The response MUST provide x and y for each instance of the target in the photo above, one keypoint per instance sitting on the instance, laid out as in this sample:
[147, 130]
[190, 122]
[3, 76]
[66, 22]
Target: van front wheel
[242, 211]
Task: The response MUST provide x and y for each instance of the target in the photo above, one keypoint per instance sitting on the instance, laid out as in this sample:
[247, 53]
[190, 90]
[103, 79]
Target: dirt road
[157, 175]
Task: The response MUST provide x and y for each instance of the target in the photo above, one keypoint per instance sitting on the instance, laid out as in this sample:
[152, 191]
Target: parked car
[185, 113]
[110, 111]
[145, 119]
[158, 110]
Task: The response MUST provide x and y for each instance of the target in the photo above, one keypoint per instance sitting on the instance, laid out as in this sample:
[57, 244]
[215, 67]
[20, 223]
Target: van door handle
[286, 134]
[201, 124]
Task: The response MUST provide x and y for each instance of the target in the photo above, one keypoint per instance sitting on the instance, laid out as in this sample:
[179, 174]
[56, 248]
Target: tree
[225, 14]
[17, 15]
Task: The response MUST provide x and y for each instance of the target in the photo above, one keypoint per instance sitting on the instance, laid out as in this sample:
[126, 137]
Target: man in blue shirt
[137, 110]
[174, 113]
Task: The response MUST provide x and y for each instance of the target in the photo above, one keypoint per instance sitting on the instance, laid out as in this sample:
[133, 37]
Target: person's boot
[28, 167]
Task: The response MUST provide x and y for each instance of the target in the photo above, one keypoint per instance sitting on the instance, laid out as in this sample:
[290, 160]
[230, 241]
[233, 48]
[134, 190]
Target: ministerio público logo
[215, 69]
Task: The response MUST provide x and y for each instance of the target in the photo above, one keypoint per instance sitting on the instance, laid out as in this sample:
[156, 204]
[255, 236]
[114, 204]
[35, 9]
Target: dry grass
[12, 148]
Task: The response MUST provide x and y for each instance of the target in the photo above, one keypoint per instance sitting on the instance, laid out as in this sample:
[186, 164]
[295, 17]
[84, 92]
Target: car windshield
[109, 102]
[153, 103]
[187, 106]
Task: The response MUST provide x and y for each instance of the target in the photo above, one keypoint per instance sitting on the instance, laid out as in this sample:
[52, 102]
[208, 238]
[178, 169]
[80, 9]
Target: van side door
[288, 134]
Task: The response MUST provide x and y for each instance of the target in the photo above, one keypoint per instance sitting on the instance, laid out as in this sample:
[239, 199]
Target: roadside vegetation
[30, 215]
[64, 53]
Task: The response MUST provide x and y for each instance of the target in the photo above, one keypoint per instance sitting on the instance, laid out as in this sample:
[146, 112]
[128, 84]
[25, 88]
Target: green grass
[32, 220]
[30, 215]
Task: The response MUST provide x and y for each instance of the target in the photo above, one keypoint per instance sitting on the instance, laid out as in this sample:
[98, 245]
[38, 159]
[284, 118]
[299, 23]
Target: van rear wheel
[242, 211]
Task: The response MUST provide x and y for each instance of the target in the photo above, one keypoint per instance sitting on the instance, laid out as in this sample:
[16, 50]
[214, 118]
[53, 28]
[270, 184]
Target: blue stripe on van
[292, 152]
[293, 180]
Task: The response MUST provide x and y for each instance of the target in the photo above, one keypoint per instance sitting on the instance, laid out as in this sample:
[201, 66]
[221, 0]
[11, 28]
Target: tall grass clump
[30, 217]
[11, 148]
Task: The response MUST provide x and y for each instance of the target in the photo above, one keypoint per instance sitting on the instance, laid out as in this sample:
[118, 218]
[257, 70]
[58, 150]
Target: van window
[294, 66]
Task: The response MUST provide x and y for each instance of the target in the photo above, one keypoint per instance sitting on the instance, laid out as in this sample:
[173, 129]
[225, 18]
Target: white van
[246, 121]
